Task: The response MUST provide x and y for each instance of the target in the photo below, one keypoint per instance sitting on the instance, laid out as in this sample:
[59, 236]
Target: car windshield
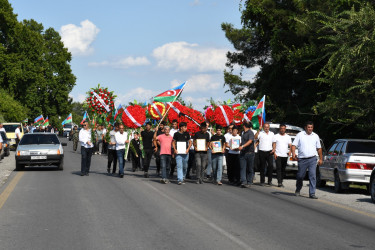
[68, 126]
[30, 139]
[10, 127]
[360, 147]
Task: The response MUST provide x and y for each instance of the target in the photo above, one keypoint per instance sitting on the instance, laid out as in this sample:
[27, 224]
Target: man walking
[307, 143]
[265, 153]
[182, 154]
[112, 154]
[165, 143]
[75, 137]
[282, 144]
[217, 156]
[174, 130]
[201, 153]
[147, 137]
[158, 132]
[86, 148]
[121, 138]
[247, 155]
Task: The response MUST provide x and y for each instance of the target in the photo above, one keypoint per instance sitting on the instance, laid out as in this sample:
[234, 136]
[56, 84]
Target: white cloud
[122, 63]
[78, 98]
[139, 94]
[195, 3]
[199, 83]
[78, 39]
[183, 56]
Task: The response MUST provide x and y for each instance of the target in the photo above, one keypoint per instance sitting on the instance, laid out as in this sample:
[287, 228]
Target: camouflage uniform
[75, 138]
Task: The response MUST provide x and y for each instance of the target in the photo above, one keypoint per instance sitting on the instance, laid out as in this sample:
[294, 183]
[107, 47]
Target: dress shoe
[121, 175]
[313, 197]
[297, 193]
[280, 185]
[87, 174]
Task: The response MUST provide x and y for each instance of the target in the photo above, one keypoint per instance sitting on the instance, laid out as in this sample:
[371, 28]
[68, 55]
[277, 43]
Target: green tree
[10, 109]
[34, 65]
[280, 37]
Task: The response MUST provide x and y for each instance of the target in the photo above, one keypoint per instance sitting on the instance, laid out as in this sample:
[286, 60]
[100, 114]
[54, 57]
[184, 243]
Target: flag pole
[264, 104]
[166, 112]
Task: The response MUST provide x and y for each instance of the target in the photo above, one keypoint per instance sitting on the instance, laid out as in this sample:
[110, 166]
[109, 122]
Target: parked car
[40, 149]
[6, 148]
[372, 185]
[348, 161]
[10, 128]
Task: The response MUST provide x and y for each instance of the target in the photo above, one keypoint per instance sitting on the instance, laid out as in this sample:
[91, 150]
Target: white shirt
[3, 129]
[17, 132]
[120, 140]
[282, 144]
[104, 131]
[233, 137]
[265, 140]
[1, 139]
[227, 138]
[307, 144]
[84, 137]
[255, 141]
[172, 131]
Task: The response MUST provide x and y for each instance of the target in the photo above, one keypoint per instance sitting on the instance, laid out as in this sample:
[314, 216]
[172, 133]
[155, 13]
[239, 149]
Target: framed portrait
[201, 145]
[234, 143]
[217, 147]
[181, 147]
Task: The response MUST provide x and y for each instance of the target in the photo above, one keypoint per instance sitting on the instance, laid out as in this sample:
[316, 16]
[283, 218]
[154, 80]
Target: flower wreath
[157, 110]
[134, 116]
[209, 114]
[238, 116]
[98, 98]
[223, 115]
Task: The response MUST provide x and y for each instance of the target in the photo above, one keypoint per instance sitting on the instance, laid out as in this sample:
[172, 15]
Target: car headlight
[21, 152]
[53, 152]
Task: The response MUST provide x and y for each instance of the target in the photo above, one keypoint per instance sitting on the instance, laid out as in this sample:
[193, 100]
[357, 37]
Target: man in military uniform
[75, 137]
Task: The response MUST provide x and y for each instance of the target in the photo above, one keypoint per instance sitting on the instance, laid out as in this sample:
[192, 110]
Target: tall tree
[35, 66]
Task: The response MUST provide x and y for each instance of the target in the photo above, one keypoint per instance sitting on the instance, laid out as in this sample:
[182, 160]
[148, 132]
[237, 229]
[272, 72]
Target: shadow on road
[366, 200]
[41, 168]
[283, 193]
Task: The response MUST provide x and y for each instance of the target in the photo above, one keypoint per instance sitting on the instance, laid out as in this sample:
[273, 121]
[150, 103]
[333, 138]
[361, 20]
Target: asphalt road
[50, 209]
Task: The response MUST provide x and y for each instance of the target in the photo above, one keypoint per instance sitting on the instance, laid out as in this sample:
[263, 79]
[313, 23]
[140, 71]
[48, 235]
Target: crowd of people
[203, 154]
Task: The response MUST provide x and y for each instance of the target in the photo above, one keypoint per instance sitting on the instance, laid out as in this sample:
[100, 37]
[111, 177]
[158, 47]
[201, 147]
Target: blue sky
[141, 48]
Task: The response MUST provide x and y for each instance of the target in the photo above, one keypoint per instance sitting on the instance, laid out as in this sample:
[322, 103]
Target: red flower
[237, 114]
[210, 115]
[154, 113]
[138, 114]
[220, 118]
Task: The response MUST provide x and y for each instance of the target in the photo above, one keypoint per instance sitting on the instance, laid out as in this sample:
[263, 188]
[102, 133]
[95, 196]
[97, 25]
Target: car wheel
[319, 182]
[372, 188]
[338, 185]
[19, 167]
[61, 165]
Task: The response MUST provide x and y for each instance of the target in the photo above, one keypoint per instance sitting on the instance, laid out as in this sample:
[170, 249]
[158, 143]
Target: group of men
[242, 148]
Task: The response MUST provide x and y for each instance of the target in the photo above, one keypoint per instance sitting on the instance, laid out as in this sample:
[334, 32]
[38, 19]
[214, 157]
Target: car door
[334, 161]
[325, 168]
[341, 159]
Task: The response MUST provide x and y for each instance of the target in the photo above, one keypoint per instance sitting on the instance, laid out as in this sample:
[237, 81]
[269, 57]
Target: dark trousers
[86, 154]
[157, 160]
[201, 163]
[112, 157]
[233, 167]
[247, 168]
[265, 157]
[147, 159]
[136, 161]
[173, 165]
[105, 147]
[280, 168]
[191, 162]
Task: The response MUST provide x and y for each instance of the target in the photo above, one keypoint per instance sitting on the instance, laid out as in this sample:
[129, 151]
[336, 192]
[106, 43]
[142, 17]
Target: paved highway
[50, 209]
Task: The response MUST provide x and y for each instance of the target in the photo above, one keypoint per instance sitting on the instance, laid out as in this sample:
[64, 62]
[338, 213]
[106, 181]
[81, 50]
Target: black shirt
[220, 138]
[147, 137]
[136, 144]
[182, 137]
[247, 136]
[201, 135]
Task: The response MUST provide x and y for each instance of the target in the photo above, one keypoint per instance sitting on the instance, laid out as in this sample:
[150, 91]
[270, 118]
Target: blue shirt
[307, 144]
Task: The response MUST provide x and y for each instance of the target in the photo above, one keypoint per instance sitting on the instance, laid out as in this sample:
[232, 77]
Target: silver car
[40, 149]
[348, 161]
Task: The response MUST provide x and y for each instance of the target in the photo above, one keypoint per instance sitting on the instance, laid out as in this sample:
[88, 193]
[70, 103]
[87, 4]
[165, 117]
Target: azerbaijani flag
[119, 110]
[68, 119]
[259, 116]
[26, 120]
[170, 95]
[84, 118]
[38, 120]
[46, 122]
